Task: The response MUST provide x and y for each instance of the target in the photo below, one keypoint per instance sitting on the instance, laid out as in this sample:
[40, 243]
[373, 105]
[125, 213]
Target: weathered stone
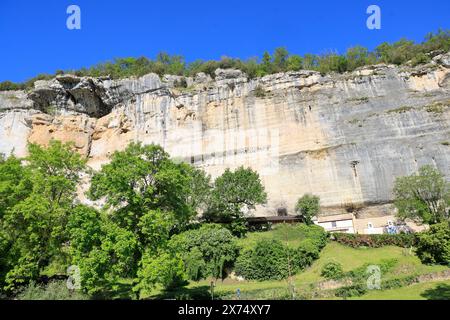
[344, 137]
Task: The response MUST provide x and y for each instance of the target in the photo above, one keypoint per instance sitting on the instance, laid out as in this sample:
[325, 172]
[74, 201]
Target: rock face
[343, 137]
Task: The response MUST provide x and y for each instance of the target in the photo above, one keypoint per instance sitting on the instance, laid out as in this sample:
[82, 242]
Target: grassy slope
[408, 264]
[420, 291]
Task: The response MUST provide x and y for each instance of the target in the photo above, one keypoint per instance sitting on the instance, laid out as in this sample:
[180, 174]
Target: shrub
[375, 240]
[259, 92]
[164, 268]
[360, 273]
[356, 290]
[306, 253]
[398, 282]
[332, 270]
[270, 259]
[8, 85]
[315, 233]
[433, 246]
[182, 83]
[55, 290]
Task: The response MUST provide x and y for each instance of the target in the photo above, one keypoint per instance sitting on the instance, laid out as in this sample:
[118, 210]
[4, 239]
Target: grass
[288, 234]
[350, 258]
[419, 291]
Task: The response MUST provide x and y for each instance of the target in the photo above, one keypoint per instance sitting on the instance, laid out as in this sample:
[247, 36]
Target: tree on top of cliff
[423, 197]
[401, 52]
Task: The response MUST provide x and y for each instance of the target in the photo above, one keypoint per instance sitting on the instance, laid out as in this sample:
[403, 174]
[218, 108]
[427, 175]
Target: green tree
[33, 226]
[424, 197]
[433, 246]
[235, 193]
[357, 56]
[439, 41]
[266, 64]
[102, 250]
[280, 58]
[397, 53]
[310, 61]
[206, 251]
[332, 62]
[143, 178]
[307, 207]
[148, 198]
[15, 183]
[163, 268]
[155, 227]
[294, 63]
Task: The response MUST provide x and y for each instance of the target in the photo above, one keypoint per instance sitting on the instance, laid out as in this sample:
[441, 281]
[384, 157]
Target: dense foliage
[271, 259]
[38, 198]
[143, 232]
[424, 197]
[234, 193]
[332, 270]
[149, 231]
[433, 246]
[206, 252]
[400, 52]
[375, 240]
[55, 290]
[307, 207]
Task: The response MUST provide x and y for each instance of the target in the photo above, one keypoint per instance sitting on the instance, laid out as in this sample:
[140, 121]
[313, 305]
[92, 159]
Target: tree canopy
[233, 194]
[424, 196]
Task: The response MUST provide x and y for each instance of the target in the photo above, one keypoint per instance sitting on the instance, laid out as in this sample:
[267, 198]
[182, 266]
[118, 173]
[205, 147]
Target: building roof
[335, 217]
[274, 219]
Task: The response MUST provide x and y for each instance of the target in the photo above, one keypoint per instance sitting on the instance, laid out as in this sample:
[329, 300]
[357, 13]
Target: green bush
[332, 270]
[163, 268]
[207, 251]
[375, 240]
[398, 282]
[433, 246]
[315, 233]
[307, 251]
[259, 92]
[55, 290]
[270, 259]
[8, 85]
[360, 273]
[356, 290]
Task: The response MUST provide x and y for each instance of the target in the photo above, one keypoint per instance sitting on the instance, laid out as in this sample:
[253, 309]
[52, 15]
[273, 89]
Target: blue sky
[34, 38]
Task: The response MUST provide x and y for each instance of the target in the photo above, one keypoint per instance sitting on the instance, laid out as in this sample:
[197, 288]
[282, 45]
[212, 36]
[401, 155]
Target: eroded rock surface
[343, 137]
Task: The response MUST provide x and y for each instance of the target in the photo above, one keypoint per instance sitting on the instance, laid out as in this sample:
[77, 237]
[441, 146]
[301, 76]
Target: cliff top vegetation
[402, 52]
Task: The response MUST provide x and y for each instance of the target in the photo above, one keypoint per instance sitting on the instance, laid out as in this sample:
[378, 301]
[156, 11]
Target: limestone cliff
[343, 137]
